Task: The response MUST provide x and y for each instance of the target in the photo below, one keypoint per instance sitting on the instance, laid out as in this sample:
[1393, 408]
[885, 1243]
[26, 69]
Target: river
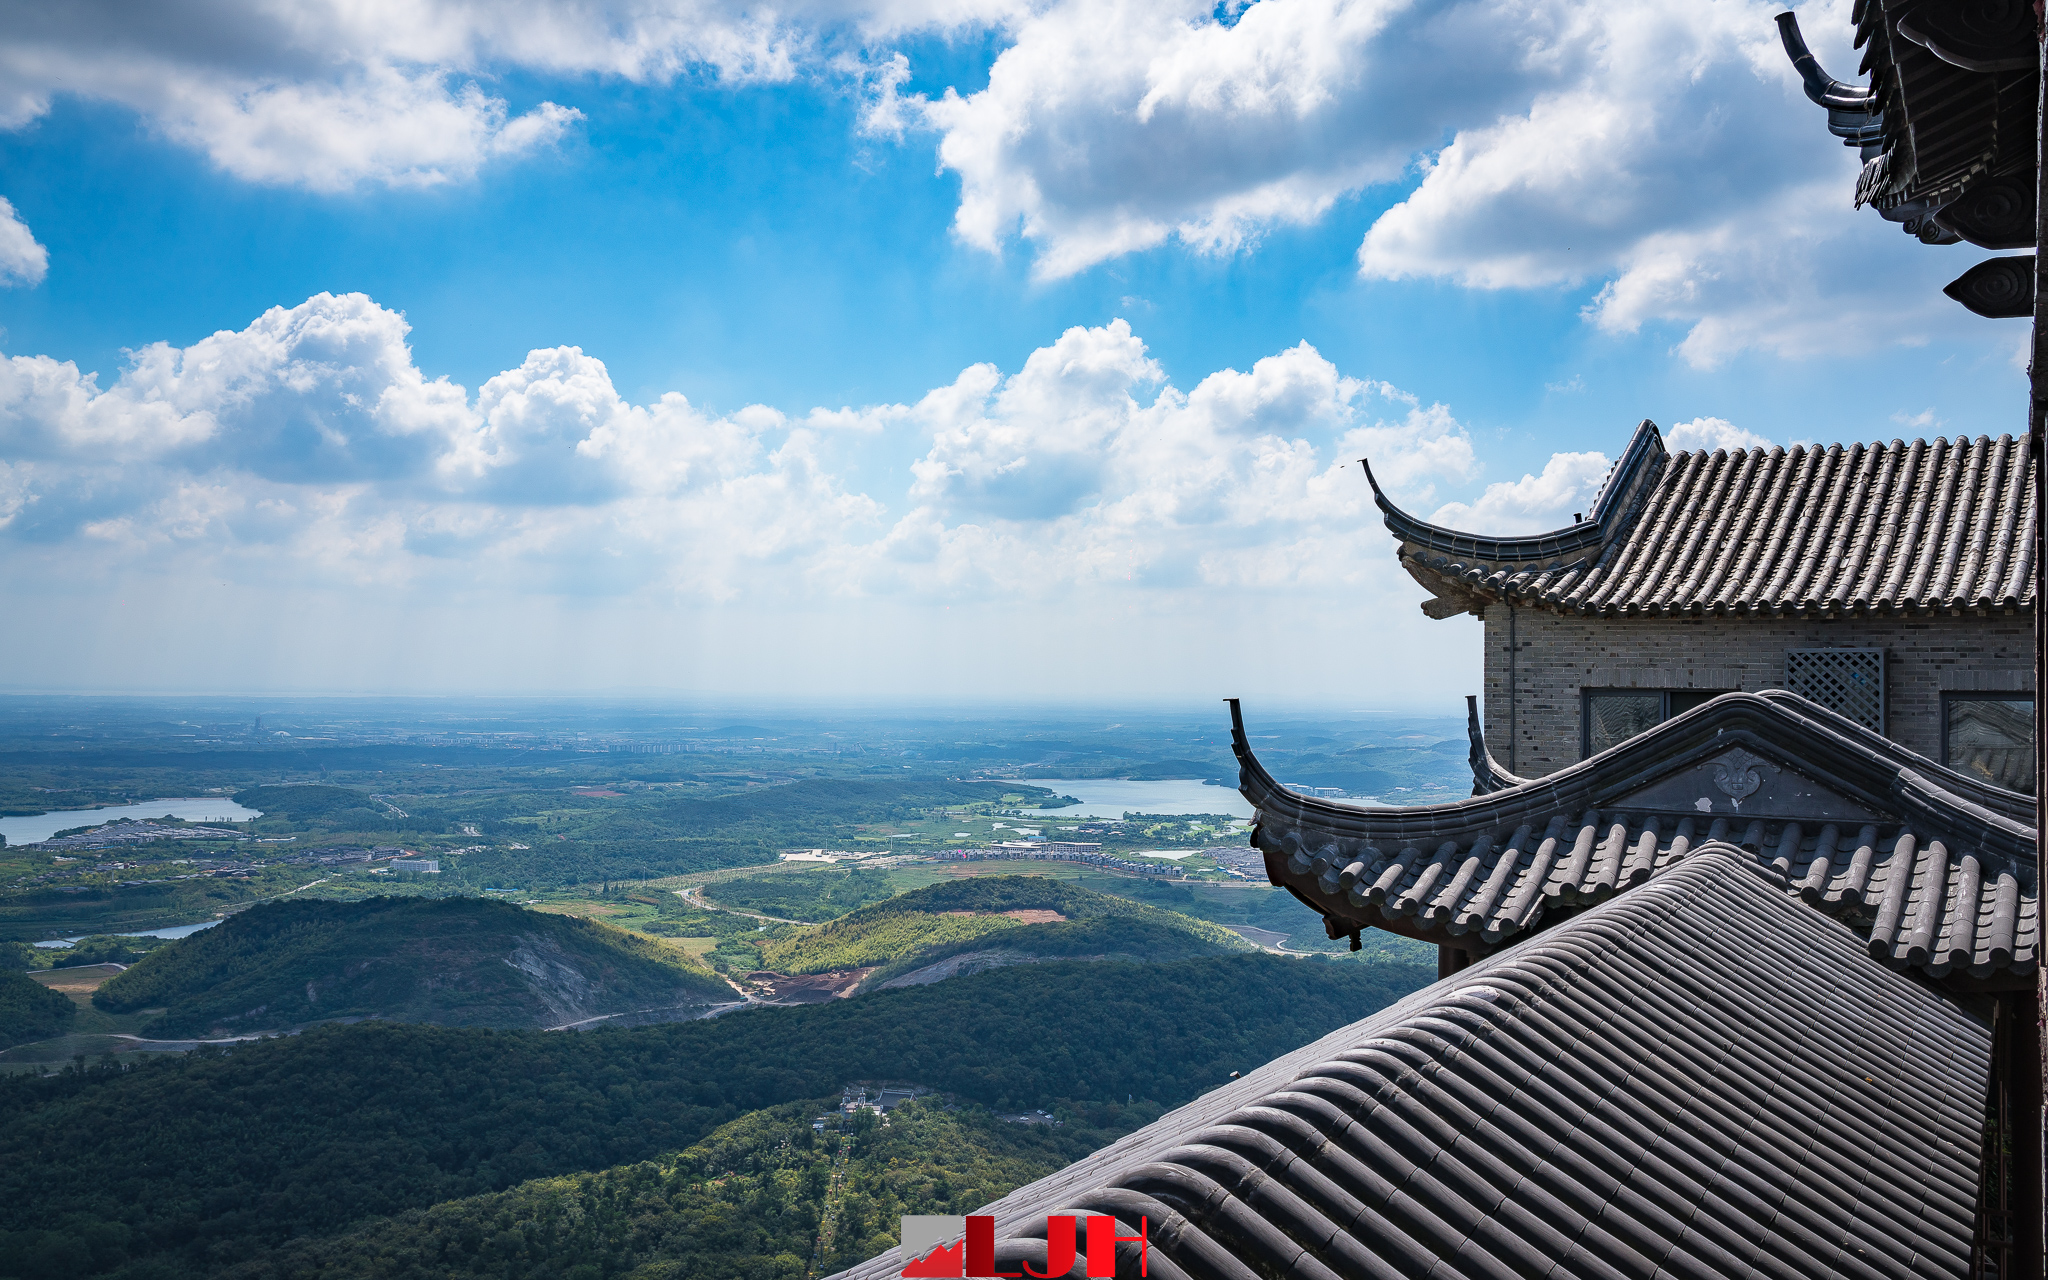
[42, 826]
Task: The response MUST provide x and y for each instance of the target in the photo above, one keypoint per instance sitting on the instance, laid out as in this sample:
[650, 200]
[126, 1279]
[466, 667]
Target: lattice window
[1849, 682]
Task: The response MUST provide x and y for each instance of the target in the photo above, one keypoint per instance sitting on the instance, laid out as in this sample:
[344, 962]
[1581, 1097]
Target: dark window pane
[1614, 718]
[1993, 739]
[1683, 700]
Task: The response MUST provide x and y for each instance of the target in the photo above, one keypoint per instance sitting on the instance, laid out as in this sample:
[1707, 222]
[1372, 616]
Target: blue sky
[1035, 252]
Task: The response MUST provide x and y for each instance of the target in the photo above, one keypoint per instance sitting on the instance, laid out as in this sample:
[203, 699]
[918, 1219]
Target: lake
[42, 826]
[175, 931]
[1114, 797]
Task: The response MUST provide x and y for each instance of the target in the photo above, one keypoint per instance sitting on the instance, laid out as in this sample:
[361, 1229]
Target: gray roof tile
[1704, 1078]
[1936, 870]
[1941, 526]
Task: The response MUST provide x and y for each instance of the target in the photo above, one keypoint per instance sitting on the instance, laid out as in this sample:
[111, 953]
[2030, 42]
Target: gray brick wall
[1559, 656]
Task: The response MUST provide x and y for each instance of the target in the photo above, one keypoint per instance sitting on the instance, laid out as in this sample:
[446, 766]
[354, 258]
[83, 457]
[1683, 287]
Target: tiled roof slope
[1942, 526]
[1945, 127]
[1937, 871]
[1698, 1080]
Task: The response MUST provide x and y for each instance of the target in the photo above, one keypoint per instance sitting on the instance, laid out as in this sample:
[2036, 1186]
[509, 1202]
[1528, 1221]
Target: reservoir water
[42, 826]
[1113, 797]
[175, 931]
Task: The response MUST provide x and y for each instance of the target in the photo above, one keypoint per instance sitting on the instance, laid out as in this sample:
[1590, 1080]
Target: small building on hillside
[1890, 583]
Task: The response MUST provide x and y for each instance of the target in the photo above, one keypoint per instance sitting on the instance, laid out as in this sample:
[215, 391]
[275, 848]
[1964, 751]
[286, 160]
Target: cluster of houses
[854, 1099]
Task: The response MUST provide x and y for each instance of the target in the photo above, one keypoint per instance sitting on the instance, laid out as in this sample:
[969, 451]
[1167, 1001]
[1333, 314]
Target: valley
[508, 1007]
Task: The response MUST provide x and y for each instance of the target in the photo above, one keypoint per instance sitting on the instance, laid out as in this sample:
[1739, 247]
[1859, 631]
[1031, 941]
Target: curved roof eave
[1607, 518]
[1843, 753]
[1940, 870]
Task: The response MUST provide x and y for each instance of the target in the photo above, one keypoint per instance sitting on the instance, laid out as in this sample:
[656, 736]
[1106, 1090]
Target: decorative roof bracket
[1982, 37]
[1852, 112]
[1825, 91]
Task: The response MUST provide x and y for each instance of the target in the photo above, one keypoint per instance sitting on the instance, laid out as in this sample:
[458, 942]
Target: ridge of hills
[185, 1166]
[552, 836]
[465, 962]
[744, 1203]
[998, 920]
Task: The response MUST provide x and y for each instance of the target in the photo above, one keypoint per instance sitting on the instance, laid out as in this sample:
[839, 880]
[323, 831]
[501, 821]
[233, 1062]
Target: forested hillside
[824, 894]
[29, 1010]
[454, 961]
[929, 924]
[197, 1163]
[744, 1204]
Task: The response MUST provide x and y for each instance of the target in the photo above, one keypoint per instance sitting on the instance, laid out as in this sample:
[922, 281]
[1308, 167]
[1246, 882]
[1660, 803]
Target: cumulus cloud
[308, 447]
[1533, 504]
[327, 95]
[22, 260]
[1085, 468]
[1654, 147]
[1709, 434]
[1109, 127]
[312, 442]
[1632, 147]
[380, 124]
[1628, 148]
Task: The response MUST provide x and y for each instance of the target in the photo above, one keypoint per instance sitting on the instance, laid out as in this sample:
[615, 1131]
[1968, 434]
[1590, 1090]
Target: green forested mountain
[454, 961]
[188, 1166]
[948, 919]
[814, 895]
[318, 807]
[29, 1010]
[746, 1203]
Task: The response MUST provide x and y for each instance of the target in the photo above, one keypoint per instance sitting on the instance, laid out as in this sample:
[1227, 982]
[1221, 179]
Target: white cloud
[1631, 146]
[1532, 504]
[1709, 434]
[328, 94]
[1651, 161]
[310, 445]
[22, 260]
[379, 124]
[309, 448]
[1065, 473]
[1108, 127]
[1079, 523]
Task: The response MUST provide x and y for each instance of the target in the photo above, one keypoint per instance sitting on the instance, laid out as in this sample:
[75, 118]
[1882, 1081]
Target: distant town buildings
[1060, 851]
[133, 831]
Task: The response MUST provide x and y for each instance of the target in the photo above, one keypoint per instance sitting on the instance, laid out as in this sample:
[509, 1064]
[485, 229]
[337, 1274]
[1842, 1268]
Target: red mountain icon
[945, 1261]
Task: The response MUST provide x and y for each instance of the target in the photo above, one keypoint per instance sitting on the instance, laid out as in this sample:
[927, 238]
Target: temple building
[1890, 583]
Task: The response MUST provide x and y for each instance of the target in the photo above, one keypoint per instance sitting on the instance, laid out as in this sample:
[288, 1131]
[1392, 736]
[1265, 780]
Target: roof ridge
[1611, 513]
[1940, 524]
[1832, 813]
